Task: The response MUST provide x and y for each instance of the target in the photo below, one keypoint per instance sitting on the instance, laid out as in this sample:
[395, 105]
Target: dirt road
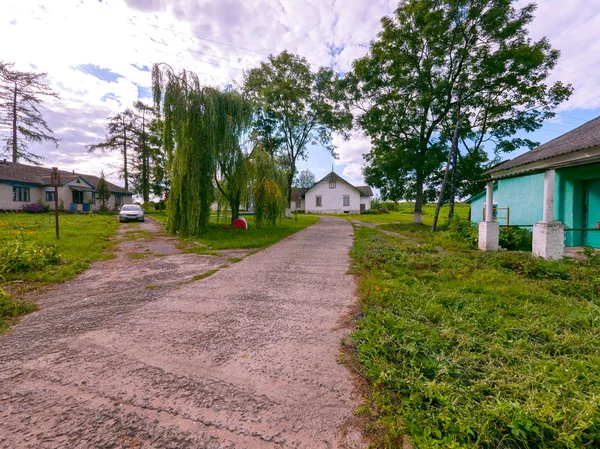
[134, 354]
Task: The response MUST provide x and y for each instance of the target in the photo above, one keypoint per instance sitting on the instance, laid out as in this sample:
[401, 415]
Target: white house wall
[366, 200]
[6, 197]
[332, 199]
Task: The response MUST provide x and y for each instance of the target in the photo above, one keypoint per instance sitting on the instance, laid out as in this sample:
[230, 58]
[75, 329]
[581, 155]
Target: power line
[207, 40]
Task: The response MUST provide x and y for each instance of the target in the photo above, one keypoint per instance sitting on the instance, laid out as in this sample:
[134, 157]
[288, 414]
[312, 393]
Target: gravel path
[133, 354]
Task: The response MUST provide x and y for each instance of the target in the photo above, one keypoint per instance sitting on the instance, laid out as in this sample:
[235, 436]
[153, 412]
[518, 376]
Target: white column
[489, 230]
[549, 234]
[549, 177]
[489, 201]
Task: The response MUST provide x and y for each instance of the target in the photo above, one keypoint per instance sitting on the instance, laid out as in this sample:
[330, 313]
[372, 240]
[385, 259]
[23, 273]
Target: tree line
[442, 93]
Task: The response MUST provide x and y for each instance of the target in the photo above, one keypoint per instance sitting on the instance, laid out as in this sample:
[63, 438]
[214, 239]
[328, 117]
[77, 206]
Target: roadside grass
[83, 238]
[466, 349]
[405, 214]
[217, 238]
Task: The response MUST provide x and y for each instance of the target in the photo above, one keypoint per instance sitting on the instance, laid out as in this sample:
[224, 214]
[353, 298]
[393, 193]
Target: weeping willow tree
[201, 125]
[269, 181]
[233, 164]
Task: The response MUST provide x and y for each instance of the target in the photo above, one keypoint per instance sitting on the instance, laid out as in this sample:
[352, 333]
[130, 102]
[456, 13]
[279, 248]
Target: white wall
[293, 205]
[6, 197]
[332, 199]
[366, 200]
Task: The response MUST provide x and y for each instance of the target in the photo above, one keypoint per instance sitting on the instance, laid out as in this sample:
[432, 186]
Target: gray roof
[581, 138]
[32, 174]
[333, 176]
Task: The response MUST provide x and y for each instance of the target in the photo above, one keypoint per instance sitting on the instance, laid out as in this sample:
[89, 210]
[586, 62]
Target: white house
[24, 184]
[332, 194]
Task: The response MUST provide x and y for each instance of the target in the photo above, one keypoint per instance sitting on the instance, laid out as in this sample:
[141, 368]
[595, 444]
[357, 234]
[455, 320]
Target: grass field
[30, 255]
[466, 349]
[217, 238]
[405, 214]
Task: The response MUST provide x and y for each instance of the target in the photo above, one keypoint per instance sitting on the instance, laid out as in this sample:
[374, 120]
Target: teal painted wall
[525, 197]
[570, 201]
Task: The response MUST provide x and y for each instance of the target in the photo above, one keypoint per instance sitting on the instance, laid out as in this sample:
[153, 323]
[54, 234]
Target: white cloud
[118, 35]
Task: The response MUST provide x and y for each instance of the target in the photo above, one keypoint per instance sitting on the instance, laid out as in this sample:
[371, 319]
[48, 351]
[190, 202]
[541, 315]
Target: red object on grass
[240, 223]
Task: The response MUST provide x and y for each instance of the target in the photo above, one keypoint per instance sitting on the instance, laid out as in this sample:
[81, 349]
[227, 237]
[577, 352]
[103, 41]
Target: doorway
[592, 213]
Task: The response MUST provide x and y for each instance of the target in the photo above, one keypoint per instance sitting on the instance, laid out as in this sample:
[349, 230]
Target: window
[118, 201]
[77, 197]
[298, 204]
[319, 201]
[346, 200]
[21, 194]
[49, 196]
[332, 184]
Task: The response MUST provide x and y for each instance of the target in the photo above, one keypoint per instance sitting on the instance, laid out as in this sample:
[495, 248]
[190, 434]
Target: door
[592, 203]
[362, 208]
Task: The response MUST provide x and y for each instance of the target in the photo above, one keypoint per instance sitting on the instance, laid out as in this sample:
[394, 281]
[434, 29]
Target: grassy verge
[404, 214]
[216, 238]
[31, 256]
[466, 349]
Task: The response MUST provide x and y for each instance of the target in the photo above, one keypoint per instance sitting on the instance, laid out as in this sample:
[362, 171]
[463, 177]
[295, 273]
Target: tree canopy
[405, 89]
[296, 107]
[21, 95]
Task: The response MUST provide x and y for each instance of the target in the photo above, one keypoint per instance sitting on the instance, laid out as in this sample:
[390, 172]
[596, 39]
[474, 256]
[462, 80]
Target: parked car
[131, 212]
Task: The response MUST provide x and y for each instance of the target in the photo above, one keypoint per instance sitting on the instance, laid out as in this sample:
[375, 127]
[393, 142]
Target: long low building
[22, 184]
[332, 194]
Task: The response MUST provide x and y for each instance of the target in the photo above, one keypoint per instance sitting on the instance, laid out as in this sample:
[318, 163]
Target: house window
[118, 201]
[298, 204]
[21, 194]
[346, 200]
[319, 201]
[77, 197]
[332, 184]
[49, 196]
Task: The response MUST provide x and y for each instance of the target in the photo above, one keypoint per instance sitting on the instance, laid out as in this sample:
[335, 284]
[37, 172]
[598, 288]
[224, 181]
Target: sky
[98, 55]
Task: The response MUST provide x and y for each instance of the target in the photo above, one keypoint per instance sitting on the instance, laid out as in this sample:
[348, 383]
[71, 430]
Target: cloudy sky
[98, 54]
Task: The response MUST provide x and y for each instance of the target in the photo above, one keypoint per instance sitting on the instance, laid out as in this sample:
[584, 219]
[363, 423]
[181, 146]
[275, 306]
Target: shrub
[376, 203]
[391, 206]
[463, 231]
[17, 256]
[32, 208]
[515, 239]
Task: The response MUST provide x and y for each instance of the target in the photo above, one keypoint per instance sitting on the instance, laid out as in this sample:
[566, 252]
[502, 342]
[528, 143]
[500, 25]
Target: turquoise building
[558, 183]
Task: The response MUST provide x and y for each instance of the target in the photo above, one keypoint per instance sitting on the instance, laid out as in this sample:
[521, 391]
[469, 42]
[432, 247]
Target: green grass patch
[152, 287]
[11, 308]
[404, 214]
[83, 238]
[203, 275]
[467, 349]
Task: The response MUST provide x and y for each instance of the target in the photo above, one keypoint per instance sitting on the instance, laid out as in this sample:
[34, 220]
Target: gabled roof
[581, 138]
[333, 176]
[41, 176]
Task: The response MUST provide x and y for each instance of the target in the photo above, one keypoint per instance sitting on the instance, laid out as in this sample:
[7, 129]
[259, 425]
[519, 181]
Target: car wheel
[143, 220]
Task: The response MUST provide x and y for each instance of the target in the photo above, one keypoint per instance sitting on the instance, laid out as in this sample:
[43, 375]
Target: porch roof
[82, 189]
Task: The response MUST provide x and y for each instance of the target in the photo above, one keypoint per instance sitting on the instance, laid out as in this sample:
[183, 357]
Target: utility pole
[453, 150]
[55, 181]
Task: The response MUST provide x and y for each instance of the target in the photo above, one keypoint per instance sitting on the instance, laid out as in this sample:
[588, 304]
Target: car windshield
[132, 207]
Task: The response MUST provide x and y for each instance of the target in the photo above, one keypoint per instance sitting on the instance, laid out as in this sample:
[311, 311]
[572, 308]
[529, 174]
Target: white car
[131, 212]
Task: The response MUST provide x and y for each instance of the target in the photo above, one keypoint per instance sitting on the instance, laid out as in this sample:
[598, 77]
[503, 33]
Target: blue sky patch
[99, 72]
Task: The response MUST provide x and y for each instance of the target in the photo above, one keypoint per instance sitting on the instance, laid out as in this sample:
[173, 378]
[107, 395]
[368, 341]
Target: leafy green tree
[102, 192]
[269, 181]
[305, 179]
[201, 135]
[21, 96]
[143, 149]
[120, 136]
[296, 107]
[406, 88]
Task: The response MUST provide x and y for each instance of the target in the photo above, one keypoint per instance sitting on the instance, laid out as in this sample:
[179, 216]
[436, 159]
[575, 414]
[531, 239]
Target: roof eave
[575, 158]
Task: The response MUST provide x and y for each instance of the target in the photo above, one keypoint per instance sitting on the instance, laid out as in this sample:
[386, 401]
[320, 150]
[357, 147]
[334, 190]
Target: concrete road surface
[134, 354]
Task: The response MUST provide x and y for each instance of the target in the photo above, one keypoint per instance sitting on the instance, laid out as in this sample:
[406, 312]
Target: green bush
[17, 256]
[463, 231]
[515, 239]
[390, 206]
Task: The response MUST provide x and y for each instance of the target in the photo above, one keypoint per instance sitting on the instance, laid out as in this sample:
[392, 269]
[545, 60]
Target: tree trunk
[125, 174]
[418, 214]
[453, 151]
[145, 164]
[289, 184]
[15, 148]
[453, 183]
